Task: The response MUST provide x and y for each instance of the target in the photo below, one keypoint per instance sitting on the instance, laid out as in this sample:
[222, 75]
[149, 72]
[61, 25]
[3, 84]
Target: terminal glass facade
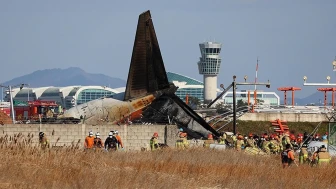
[186, 86]
[87, 95]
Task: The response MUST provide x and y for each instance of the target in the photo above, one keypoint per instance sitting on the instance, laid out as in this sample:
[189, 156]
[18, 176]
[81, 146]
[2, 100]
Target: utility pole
[234, 104]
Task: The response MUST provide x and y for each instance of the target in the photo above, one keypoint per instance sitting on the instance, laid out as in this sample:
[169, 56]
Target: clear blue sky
[291, 38]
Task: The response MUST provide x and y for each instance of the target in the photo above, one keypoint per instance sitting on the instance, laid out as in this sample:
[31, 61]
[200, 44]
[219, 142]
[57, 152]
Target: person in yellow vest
[153, 143]
[266, 145]
[222, 138]
[303, 155]
[182, 142]
[274, 145]
[250, 141]
[239, 143]
[321, 157]
[209, 141]
[286, 140]
[44, 142]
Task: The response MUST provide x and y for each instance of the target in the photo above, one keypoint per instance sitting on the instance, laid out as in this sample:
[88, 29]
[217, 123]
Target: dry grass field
[24, 166]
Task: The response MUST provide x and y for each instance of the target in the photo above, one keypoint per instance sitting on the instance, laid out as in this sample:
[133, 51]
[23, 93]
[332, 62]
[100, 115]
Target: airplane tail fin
[147, 73]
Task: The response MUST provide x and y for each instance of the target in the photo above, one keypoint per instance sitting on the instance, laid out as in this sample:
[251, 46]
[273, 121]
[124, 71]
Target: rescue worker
[239, 143]
[260, 142]
[111, 143]
[287, 156]
[182, 142]
[325, 138]
[286, 140]
[303, 155]
[209, 141]
[120, 144]
[299, 139]
[266, 145]
[250, 141]
[89, 141]
[153, 143]
[44, 142]
[221, 139]
[274, 145]
[317, 137]
[321, 156]
[97, 142]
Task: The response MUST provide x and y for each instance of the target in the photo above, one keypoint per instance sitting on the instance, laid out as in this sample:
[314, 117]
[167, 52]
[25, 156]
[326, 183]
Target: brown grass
[25, 166]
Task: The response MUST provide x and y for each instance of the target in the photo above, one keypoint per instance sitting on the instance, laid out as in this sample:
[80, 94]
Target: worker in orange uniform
[89, 141]
[287, 157]
[120, 144]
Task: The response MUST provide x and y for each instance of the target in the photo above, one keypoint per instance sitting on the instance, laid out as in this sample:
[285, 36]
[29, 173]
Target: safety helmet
[210, 136]
[155, 134]
[97, 134]
[181, 129]
[116, 132]
[90, 133]
[250, 135]
[245, 137]
[324, 137]
[183, 135]
[110, 133]
[41, 134]
[322, 147]
[305, 145]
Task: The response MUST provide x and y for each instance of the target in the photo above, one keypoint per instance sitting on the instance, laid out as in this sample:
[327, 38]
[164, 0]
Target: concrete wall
[291, 117]
[133, 136]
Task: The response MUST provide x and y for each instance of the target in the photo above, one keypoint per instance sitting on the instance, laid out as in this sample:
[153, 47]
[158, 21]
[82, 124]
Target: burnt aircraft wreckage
[149, 97]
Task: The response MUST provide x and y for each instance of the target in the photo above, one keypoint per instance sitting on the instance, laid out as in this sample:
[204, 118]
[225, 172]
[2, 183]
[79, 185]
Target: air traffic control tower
[208, 66]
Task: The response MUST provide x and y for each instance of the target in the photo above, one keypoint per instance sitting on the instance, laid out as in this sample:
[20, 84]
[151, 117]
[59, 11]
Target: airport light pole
[332, 118]
[9, 87]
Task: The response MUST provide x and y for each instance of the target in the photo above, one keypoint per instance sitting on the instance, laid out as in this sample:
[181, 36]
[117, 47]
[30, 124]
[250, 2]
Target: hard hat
[210, 136]
[116, 132]
[183, 134]
[181, 129]
[250, 135]
[305, 145]
[110, 133]
[90, 133]
[41, 134]
[155, 134]
[97, 134]
[324, 137]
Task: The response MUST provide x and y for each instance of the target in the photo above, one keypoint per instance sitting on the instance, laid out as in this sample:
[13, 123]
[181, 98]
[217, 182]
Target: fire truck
[40, 111]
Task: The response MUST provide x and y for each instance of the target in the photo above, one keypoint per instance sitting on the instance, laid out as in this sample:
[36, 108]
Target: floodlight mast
[321, 84]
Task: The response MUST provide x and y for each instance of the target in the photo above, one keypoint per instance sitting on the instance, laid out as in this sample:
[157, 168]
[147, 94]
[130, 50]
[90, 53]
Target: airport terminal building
[186, 85]
[67, 97]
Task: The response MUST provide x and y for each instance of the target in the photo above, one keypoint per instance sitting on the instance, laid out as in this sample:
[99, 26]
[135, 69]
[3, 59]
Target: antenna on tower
[256, 75]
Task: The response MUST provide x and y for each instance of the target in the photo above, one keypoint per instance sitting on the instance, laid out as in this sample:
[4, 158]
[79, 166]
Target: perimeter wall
[134, 137]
